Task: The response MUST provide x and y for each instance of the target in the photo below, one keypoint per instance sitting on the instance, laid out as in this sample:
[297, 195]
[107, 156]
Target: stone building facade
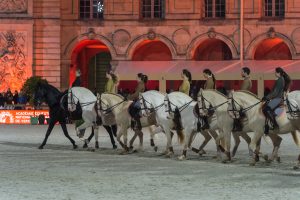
[51, 38]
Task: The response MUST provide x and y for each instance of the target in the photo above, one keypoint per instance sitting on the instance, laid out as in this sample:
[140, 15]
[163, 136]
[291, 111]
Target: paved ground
[58, 172]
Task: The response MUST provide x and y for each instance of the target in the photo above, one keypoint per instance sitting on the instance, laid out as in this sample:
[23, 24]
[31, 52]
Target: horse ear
[230, 93]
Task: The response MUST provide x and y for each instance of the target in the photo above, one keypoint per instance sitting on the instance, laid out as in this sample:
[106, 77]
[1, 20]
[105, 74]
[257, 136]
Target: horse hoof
[266, 157]
[93, 150]
[41, 147]
[252, 164]
[124, 152]
[115, 146]
[85, 146]
[296, 167]
[97, 145]
[256, 158]
[169, 155]
[130, 148]
[278, 159]
[155, 148]
[75, 146]
[181, 158]
[202, 152]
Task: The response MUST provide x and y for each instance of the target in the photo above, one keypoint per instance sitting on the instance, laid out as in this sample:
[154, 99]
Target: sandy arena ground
[61, 173]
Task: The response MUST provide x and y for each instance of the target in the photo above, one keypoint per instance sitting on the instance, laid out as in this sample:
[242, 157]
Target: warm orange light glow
[80, 57]
[272, 49]
[212, 49]
[152, 50]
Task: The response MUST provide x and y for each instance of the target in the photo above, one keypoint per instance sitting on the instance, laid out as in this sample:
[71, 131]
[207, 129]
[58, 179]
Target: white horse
[180, 109]
[213, 105]
[250, 105]
[152, 102]
[107, 103]
[87, 100]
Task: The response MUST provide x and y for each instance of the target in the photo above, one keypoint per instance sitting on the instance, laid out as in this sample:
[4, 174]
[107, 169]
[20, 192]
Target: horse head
[40, 94]
[72, 101]
[146, 106]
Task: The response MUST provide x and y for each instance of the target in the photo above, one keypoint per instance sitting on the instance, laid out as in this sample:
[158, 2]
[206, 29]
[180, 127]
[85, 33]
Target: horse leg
[246, 137]
[276, 140]
[87, 141]
[96, 136]
[227, 141]
[121, 132]
[152, 133]
[50, 128]
[141, 135]
[237, 142]
[110, 132]
[169, 149]
[255, 147]
[207, 138]
[133, 139]
[188, 136]
[64, 128]
[297, 166]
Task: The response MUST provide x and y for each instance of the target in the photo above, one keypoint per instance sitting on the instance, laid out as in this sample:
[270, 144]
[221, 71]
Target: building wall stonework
[56, 30]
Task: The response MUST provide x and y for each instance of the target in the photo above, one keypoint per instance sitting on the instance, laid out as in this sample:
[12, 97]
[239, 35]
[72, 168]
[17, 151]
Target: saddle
[134, 110]
[277, 111]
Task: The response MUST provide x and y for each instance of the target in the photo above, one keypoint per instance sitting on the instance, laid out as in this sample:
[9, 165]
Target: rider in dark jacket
[276, 96]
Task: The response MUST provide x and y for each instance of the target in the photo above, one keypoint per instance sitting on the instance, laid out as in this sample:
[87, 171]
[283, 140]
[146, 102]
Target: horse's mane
[250, 93]
[216, 91]
[155, 91]
[49, 87]
[177, 93]
[118, 95]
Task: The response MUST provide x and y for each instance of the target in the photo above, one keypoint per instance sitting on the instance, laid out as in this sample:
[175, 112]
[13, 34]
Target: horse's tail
[296, 138]
[178, 125]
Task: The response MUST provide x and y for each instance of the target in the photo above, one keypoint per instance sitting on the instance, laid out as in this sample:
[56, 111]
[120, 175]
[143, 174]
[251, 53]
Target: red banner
[20, 116]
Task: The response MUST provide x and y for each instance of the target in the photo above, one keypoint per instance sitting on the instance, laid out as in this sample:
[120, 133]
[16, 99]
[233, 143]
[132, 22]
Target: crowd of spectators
[11, 101]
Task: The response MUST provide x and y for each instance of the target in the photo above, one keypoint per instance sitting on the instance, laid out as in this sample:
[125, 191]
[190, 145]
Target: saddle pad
[279, 111]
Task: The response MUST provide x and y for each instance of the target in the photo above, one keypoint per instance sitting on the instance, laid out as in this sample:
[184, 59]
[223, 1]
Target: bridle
[180, 109]
[73, 97]
[151, 109]
[293, 110]
[242, 111]
[211, 109]
[108, 109]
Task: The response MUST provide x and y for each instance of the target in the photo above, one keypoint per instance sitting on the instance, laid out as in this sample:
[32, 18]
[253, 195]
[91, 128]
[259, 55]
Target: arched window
[274, 8]
[215, 8]
[152, 9]
[91, 9]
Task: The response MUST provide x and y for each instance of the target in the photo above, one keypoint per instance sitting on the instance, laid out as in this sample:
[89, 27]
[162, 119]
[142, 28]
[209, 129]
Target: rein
[295, 113]
[109, 109]
[81, 104]
[242, 110]
[211, 108]
[169, 103]
[147, 109]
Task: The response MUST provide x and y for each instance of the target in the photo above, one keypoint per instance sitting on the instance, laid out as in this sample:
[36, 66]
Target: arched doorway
[272, 49]
[212, 50]
[152, 50]
[93, 58]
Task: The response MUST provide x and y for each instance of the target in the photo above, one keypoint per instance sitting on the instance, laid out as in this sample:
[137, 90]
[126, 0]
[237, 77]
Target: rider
[112, 83]
[275, 97]
[142, 80]
[77, 81]
[210, 83]
[187, 80]
[246, 85]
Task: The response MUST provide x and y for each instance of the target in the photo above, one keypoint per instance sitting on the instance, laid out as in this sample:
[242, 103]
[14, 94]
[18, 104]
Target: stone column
[65, 74]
